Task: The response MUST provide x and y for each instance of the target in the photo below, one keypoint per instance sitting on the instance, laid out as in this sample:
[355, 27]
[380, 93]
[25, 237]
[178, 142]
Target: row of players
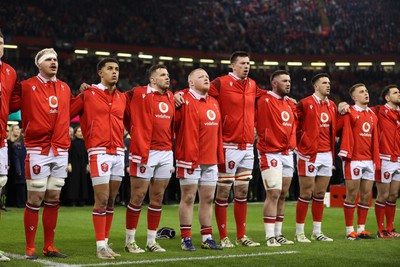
[213, 124]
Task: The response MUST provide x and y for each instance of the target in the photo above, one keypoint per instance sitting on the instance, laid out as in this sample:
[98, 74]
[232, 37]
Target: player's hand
[343, 108]
[179, 101]
[69, 167]
[83, 87]
[293, 100]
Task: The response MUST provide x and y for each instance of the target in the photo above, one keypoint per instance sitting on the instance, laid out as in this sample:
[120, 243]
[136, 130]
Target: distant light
[81, 51]
[124, 55]
[205, 60]
[102, 53]
[252, 62]
[271, 63]
[144, 56]
[318, 64]
[186, 59]
[342, 64]
[166, 58]
[8, 46]
[224, 61]
[389, 63]
[364, 64]
[295, 63]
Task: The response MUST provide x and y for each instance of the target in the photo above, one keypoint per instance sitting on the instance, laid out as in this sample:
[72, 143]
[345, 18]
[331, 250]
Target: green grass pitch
[75, 237]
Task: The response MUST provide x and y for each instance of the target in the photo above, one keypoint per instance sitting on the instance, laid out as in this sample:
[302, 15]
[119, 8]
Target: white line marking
[109, 263]
[44, 262]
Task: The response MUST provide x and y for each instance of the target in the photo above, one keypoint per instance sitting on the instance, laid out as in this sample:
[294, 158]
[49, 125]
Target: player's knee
[272, 179]
[38, 185]
[3, 181]
[55, 183]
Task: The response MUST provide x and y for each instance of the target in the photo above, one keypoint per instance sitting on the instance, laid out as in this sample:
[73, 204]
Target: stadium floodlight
[388, 63]
[166, 58]
[8, 46]
[295, 64]
[271, 63]
[364, 64]
[186, 59]
[124, 55]
[144, 56]
[81, 51]
[252, 62]
[318, 64]
[224, 61]
[206, 60]
[102, 53]
[342, 64]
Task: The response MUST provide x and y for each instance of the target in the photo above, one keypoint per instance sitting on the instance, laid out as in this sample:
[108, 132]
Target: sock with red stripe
[131, 222]
[380, 215]
[206, 232]
[317, 210]
[49, 220]
[31, 218]
[301, 213]
[390, 211]
[186, 230]
[240, 212]
[109, 219]
[221, 206]
[153, 220]
[99, 223]
[348, 209]
[362, 212]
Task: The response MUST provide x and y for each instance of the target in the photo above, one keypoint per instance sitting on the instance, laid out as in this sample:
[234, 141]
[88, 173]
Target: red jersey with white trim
[102, 123]
[359, 131]
[163, 115]
[198, 131]
[8, 81]
[236, 98]
[276, 124]
[324, 142]
[389, 132]
[39, 103]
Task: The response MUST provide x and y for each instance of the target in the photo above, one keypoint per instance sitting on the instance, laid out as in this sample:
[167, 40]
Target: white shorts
[321, 167]
[3, 161]
[277, 161]
[235, 158]
[159, 165]
[390, 171]
[41, 166]
[203, 174]
[106, 167]
[359, 169]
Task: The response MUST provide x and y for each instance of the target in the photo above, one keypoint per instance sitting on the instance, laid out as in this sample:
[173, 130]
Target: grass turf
[75, 237]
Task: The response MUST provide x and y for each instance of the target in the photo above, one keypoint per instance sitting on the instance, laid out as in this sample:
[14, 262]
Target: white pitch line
[44, 262]
[108, 263]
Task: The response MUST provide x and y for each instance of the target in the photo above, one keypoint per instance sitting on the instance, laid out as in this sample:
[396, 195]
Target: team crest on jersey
[386, 175]
[311, 168]
[231, 83]
[33, 88]
[62, 87]
[324, 117]
[163, 107]
[104, 167]
[53, 101]
[8, 71]
[143, 96]
[274, 163]
[285, 115]
[211, 115]
[366, 127]
[231, 164]
[142, 169]
[267, 99]
[311, 106]
[36, 169]
[190, 171]
[356, 171]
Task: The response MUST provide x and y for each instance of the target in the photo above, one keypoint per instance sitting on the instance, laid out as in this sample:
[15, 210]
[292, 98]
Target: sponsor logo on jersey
[53, 101]
[285, 115]
[231, 164]
[386, 175]
[311, 168]
[142, 169]
[356, 171]
[36, 169]
[104, 167]
[324, 120]
[274, 163]
[366, 127]
[163, 107]
[211, 115]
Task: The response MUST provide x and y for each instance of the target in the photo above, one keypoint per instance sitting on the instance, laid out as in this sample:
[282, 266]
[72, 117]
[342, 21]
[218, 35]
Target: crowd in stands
[266, 26]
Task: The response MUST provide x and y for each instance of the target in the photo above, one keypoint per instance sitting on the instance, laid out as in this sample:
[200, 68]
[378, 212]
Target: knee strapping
[3, 180]
[272, 179]
[55, 183]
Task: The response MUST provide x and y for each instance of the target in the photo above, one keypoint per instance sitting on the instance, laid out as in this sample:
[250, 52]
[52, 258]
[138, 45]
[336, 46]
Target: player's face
[1, 47]
[323, 86]
[49, 67]
[361, 95]
[109, 74]
[200, 81]
[282, 83]
[241, 67]
[394, 96]
[160, 79]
